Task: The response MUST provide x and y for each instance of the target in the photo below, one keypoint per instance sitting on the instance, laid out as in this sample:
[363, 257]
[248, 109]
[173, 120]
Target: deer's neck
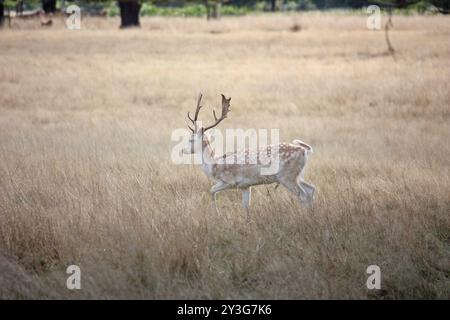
[208, 160]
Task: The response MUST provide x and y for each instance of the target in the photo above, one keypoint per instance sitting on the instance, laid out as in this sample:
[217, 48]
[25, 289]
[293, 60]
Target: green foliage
[9, 3]
[290, 6]
[306, 5]
[189, 10]
[421, 6]
[112, 10]
[236, 11]
[196, 8]
[262, 6]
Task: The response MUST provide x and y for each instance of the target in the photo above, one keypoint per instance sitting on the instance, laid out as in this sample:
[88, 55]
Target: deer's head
[196, 138]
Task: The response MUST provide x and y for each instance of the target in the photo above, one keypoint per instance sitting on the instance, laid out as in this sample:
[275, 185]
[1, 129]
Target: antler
[225, 110]
[197, 110]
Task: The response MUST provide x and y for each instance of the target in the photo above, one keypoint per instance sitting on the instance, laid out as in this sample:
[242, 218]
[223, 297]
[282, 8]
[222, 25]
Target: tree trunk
[2, 13]
[49, 6]
[208, 10]
[273, 5]
[216, 10]
[129, 13]
[19, 8]
[213, 9]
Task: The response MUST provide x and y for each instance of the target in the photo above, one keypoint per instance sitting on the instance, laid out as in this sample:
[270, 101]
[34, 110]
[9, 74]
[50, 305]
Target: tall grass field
[87, 179]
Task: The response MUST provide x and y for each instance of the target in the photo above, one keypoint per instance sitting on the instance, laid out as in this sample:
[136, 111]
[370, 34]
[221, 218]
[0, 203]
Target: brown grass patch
[86, 176]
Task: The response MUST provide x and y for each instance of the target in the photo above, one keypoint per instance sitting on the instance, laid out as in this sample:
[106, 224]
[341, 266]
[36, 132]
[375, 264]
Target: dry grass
[86, 176]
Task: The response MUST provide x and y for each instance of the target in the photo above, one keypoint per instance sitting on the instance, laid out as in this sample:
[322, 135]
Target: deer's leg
[309, 189]
[219, 186]
[296, 189]
[292, 186]
[246, 197]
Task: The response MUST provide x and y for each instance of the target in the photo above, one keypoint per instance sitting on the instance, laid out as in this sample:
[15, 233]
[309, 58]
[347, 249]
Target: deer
[242, 169]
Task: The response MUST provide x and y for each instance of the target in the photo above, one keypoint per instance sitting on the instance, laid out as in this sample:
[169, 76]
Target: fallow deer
[245, 169]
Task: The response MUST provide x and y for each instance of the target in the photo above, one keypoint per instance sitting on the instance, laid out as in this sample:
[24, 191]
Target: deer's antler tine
[225, 106]
[192, 122]
[197, 110]
[199, 106]
[225, 110]
[189, 117]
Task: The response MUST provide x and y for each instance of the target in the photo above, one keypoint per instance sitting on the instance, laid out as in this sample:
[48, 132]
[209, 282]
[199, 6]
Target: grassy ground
[86, 177]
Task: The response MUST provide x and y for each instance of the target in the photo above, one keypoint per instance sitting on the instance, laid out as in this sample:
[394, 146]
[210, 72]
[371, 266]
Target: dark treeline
[129, 9]
[50, 5]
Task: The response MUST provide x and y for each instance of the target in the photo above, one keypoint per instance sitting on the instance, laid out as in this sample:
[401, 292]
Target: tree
[213, 8]
[443, 6]
[19, 7]
[5, 5]
[2, 12]
[273, 5]
[49, 6]
[129, 13]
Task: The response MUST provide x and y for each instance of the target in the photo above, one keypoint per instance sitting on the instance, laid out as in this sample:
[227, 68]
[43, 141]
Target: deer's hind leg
[309, 189]
[301, 189]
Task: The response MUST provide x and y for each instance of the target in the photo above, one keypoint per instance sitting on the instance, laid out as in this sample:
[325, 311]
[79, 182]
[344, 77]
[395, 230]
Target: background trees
[49, 6]
[129, 13]
[2, 12]
[130, 10]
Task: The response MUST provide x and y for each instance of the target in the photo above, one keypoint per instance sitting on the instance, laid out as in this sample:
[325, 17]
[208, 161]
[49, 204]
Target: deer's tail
[308, 148]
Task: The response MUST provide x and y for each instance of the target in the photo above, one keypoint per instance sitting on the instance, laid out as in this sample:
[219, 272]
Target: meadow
[86, 176]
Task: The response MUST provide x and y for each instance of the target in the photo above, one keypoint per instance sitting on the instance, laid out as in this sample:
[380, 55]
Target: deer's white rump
[247, 168]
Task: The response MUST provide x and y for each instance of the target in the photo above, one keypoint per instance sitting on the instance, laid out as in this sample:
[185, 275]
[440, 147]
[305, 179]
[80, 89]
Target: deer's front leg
[246, 196]
[219, 186]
